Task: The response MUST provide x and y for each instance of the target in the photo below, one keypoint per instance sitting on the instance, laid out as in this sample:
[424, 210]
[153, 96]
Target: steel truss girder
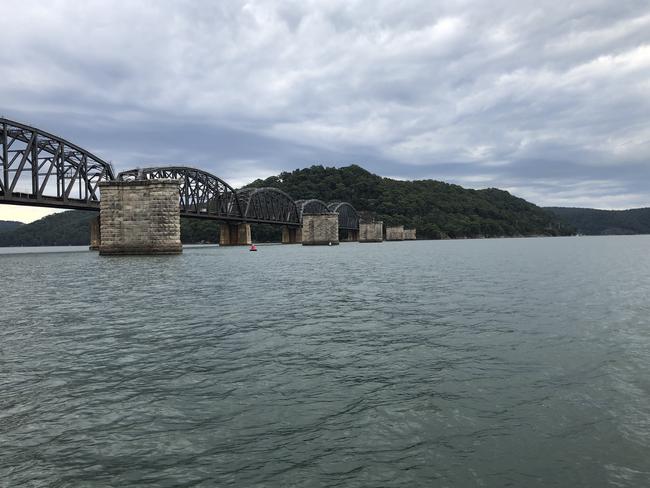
[311, 206]
[201, 194]
[42, 169]
[268, 205]
[348, 217]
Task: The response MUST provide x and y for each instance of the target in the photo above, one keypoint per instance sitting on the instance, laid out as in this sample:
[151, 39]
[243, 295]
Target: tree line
[436, 209]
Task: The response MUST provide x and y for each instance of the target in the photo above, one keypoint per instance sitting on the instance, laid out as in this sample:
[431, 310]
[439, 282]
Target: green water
[510, 362]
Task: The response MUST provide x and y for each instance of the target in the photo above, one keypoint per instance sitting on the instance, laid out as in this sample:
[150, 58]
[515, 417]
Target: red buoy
[253, 248]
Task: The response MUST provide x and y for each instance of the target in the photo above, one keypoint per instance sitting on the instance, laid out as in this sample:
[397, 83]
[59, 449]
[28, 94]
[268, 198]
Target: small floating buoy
[253, 248]
[329, 244]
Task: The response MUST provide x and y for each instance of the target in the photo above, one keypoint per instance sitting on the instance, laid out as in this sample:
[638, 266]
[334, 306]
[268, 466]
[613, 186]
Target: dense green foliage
[7, 225]
[72, 228]
[436, 209]
[195, 231]
[590, 221]
[61, 229]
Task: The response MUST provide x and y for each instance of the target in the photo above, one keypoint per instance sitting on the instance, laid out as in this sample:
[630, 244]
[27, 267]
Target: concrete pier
[291, 235]
[409, 234]
[320, 229]
[395, 233]
[350, 235]
[235, 235]
[140, 217]
[371, 232]
[95, 234]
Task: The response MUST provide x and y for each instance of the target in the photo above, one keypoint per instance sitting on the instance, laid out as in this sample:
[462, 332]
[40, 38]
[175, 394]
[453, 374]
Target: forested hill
[590, 221]
[61, 229]
[72, 228]
[436, 209]
[7, 225]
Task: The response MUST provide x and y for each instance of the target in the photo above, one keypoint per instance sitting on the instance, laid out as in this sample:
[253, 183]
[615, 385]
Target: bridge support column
[371, 232]
[291, 235]
[320, 229]
[95, 234]
[409, 234]
[395, 233]
[235, 235]
[140, 217]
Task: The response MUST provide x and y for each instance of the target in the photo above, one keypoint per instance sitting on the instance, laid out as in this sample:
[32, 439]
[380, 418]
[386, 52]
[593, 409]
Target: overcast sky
[547, 99]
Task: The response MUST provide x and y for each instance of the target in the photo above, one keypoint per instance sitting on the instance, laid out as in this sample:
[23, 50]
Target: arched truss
[201, 193]
[312, 206]
[268, 205]
[348, 217]
[41, 169]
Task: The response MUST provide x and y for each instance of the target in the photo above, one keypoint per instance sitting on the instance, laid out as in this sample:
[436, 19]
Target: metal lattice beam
[42, 169]
[269, 206]
[348, 217]
[201, 194]
[312, 206]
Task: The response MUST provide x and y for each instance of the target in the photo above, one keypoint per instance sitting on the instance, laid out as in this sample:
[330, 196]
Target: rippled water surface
[512, 362]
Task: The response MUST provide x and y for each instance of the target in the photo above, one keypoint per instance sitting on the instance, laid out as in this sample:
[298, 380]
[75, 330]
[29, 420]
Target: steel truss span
[42, 169]
[348, 217]
[268, 205]
[311, 206]
[201, 193]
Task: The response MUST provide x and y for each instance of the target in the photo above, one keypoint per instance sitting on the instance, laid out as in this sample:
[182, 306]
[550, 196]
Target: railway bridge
[140, 209]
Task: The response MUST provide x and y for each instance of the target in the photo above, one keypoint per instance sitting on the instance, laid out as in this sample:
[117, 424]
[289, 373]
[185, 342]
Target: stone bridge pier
[320, 229]
[371, 231]
[395, 233]
[409, 234]
[350, 235]
[139, 217]
[95, 233]
[291, 235]
[235, 235]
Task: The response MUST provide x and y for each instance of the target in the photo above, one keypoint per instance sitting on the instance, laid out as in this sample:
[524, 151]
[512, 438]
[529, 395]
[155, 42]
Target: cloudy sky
[549, 100]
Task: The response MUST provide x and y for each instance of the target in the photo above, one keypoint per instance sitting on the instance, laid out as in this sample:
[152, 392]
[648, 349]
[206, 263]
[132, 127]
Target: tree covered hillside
[590, 221]
[436, 209]
[60, 229]
[7, 225]
[72, 228]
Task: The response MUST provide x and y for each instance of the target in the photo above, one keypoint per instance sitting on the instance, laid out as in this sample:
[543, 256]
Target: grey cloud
[540, 97]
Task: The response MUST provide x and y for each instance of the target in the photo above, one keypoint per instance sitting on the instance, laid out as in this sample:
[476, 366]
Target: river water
[509, 362]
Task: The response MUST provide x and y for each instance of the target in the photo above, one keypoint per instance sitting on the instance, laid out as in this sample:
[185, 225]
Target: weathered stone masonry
[320, 229]
[371, 231]
[235, 235]
[95, 237]
[409, 234]
[140, 217]
[291, 235]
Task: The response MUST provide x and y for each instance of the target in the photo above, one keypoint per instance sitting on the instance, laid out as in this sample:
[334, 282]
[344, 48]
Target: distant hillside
[72, 228]
[7, 225]
[590, 221]
[60, 229]
[436, 209]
